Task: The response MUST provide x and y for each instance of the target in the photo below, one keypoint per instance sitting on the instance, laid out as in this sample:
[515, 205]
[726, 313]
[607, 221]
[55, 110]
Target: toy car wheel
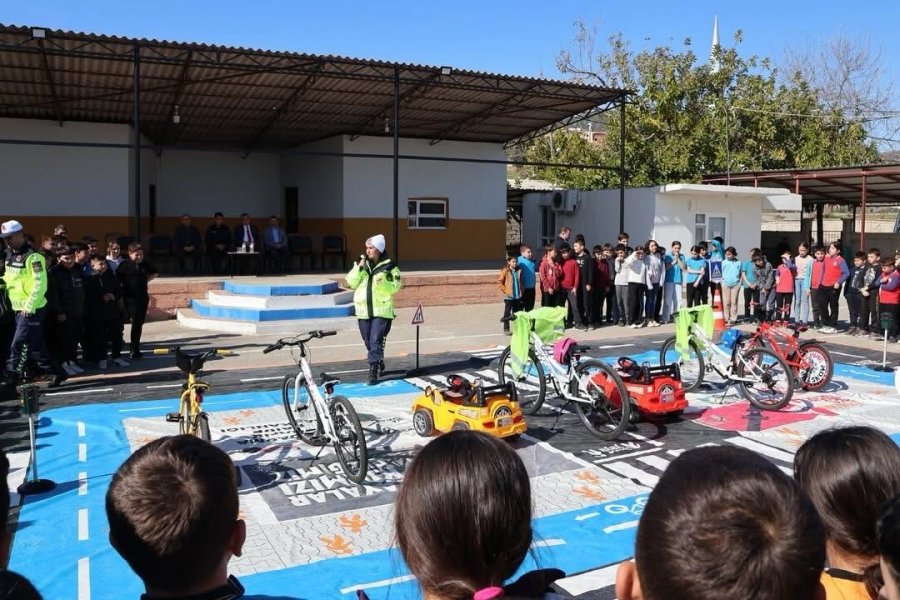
[459, 426]
[423, 423]
[513, 438]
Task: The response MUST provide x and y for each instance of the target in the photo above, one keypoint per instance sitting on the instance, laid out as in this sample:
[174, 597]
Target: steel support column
[396, 163]
[862, 227]
[136, 142]
[820, 226]
[622, 165]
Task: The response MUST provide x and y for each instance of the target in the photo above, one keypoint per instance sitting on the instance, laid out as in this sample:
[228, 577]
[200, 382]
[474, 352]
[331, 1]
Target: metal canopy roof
[243, 98]
[856, 185]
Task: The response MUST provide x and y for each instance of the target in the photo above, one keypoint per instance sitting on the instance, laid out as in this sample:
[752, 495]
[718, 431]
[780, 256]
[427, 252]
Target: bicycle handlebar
[297, 341]
[208, 353]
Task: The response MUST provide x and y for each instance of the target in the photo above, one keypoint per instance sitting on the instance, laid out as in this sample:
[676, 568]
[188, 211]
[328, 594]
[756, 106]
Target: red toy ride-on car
[652, 390]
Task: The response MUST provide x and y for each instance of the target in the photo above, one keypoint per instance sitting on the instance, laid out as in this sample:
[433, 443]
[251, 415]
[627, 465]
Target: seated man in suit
[276, 244]
[187, 245]
[218, 239]
[246, 233]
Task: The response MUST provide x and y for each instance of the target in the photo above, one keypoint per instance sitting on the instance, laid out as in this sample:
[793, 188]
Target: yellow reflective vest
[374, 287]
[26, 279]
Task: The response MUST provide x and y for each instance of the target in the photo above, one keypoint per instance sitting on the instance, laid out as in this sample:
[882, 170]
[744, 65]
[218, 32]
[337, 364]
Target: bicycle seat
[797, 327]
[189, 363]
[326, 379]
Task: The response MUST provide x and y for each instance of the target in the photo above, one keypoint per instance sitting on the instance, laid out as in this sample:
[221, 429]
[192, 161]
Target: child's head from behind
[173, 514]
[463, 514]
[848, 473]
[724, 522]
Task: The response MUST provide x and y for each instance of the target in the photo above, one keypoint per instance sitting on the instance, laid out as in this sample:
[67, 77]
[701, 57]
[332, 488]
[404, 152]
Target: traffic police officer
[26, 283]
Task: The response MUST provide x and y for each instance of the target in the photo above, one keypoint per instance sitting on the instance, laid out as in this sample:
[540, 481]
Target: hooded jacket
[374, 286]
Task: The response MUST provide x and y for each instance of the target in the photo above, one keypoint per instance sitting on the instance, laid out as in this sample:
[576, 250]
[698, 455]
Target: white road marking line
[600, 461]
[162, 386]
[548, 543]
[376, 584]
[82, 452]
[587, 516]
[846, 354]
[160, 406]
[82, 524]
[74, 392]
[609, 346]
[248, 380]
[630, 472]
[621, 526]
[420, 383]
[655, 462]
[489, 375]
[590, 581]
[80, 425]
[762, 449]
[638, 436]
[84, 578]
[347, 371]
[82, 483]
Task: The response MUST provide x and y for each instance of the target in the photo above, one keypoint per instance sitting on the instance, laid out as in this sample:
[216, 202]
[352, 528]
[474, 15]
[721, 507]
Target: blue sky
[517, 38]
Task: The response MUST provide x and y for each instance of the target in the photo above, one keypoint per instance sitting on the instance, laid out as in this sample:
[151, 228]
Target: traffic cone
[718, 315]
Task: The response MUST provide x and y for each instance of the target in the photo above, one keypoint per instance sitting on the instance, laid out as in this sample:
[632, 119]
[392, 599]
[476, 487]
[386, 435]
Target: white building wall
[202, 183]
[64, 180]
[675, 214]
[475, 191]
[319, 179]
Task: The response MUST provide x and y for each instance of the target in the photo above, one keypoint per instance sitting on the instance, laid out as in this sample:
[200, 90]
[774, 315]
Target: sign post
[887, 321]
[715, 271]
[30, 408]
[417, 320]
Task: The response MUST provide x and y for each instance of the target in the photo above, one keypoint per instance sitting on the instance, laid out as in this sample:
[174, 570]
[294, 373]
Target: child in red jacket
[550, 275]
[602, 285]
[889, 296]
[570, 280]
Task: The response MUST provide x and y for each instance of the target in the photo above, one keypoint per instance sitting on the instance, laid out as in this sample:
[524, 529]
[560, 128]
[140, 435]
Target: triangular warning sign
[419, 317]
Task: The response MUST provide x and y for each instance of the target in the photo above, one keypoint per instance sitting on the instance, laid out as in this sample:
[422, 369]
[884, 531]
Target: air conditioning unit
[566, 201]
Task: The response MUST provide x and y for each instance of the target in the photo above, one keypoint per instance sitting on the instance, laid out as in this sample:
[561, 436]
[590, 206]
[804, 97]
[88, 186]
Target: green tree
[688, 117]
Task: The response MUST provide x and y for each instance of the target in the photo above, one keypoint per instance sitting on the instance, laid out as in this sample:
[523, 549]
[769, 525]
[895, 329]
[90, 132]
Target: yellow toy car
[463, 405]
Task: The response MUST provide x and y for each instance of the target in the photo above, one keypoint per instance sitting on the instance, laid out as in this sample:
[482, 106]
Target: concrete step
[190, 319]
[206, 309]
[278, 287]
[230, 299]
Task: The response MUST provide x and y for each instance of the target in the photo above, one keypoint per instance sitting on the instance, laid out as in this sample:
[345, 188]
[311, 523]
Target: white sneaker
[653, 324]
[121, 362]
[828, 330]
[102, 364]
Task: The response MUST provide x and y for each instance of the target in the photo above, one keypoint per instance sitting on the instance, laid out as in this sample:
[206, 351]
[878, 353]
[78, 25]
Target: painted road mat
[314, 534]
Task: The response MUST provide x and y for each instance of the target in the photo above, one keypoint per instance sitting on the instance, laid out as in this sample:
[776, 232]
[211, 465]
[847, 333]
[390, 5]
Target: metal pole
[397, 164]
[862, 227]
[136, 146]
[820, 226]
[727, 143]
[417, 347]
[622, 165]
[34, 466]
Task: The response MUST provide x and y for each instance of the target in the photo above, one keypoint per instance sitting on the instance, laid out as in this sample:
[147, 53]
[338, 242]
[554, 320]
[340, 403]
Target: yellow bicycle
[190, 416]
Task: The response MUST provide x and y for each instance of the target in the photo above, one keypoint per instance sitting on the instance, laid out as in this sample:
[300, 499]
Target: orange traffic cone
[717, 311]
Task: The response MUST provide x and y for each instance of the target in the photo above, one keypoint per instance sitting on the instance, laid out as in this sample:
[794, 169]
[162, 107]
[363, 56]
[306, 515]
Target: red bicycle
[809, 359]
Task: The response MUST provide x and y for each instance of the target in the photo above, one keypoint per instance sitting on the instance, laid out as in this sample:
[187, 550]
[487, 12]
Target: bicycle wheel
[818, 368]
[772, 382]
[531, 384]
[303, 417]
[184, 423]
[203, 427]
[609, 410]
[350, 445]
[692, 368]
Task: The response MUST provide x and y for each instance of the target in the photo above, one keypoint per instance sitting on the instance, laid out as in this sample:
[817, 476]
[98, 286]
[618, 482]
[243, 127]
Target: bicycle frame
[781, 341]
[192, 400]
[722, 362]
[560, 375]
[315, 396]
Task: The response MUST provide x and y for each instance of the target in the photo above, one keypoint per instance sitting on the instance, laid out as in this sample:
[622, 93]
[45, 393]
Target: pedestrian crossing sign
[715, 271]
[418, 317]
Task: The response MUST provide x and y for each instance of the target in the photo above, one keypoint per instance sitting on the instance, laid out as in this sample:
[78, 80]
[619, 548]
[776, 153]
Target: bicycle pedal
[173, 417]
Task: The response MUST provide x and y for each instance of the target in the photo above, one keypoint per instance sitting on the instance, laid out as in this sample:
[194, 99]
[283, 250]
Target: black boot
[381, 368]
[373, 373]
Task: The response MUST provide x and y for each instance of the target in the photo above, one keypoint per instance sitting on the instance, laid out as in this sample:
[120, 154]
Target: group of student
[722, 522]
[645, 286]
[89, 296]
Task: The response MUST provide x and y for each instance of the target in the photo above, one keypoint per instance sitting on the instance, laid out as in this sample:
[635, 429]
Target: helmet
[562, 350]
[730, 337]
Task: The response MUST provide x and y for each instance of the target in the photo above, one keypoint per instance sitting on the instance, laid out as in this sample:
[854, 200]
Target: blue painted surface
[204, 309]
[256, 289]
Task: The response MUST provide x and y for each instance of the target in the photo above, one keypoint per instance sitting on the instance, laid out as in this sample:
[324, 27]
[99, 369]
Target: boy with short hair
[104, 321]
[134, 274]
[889, 296]
[173, 516]
[868, 316]
[602, 285]
[571, 279]
[695, 269]
[585, 292]
[764, 275]
[814, 276]
[510, 283]
[675, 267]
[612, 307]
[529, 276]
[751, 289]
[550, 274]
[853, 291]
[725, 522]
[65, 299]
[621, 284]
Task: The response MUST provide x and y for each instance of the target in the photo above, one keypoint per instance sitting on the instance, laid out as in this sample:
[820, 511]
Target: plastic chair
[301, 245]
[333, 246]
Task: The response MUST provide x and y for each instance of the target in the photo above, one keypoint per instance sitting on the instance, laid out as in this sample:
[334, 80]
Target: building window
[707, 226]
[548, 225]
[428, 213]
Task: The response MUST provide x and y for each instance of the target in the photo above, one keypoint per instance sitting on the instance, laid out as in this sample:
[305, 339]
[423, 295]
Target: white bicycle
[321, 419]
[591, 386]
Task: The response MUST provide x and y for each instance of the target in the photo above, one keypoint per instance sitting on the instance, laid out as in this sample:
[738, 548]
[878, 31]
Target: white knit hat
[377, 242]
